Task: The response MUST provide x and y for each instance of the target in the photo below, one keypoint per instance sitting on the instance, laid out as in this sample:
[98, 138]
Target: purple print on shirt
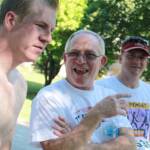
[139, 116]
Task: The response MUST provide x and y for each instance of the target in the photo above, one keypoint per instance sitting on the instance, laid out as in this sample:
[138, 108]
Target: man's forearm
[72, 141]
[78, 138]
[122, 142]
[76, 143]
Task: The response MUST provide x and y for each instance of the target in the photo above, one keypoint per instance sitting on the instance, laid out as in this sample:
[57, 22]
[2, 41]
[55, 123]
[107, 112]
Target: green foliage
[70, 14]
[116, 19]
[33, 88]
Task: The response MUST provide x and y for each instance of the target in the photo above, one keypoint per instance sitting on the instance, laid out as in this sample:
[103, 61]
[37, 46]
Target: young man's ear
[10, 20]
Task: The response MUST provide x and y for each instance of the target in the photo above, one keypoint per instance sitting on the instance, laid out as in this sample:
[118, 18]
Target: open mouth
[136, 68]
[81, 71]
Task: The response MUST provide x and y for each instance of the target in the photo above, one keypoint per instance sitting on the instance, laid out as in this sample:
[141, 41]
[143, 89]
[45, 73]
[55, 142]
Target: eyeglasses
[89, 56]
[139, 57]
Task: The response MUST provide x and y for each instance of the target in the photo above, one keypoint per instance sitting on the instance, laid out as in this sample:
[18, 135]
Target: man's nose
[82, 58]
[46, 38]
[138, 60]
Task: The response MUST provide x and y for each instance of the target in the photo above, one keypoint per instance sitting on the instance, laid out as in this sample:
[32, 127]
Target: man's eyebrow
[47, 25]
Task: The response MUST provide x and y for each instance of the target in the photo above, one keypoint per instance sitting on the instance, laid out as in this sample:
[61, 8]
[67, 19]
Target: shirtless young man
[25, 30]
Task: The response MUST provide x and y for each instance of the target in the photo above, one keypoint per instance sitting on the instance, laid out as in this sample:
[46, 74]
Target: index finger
[122, 95]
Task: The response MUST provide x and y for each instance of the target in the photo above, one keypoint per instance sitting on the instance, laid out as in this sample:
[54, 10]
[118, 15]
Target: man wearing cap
[135, 52]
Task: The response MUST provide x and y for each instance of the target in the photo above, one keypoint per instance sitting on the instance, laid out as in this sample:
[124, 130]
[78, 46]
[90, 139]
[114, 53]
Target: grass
[35, 81]
[24, 115]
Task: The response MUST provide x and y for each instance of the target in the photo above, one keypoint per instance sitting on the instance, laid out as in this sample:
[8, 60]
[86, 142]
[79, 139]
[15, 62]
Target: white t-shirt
[62, 99]
[139, 105]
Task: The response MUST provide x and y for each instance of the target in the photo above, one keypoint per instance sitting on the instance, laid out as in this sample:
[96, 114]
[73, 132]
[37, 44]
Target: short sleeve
[43, 112]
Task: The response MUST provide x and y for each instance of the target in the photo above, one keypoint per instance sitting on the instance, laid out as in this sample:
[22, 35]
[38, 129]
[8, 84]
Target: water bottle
[109, 128]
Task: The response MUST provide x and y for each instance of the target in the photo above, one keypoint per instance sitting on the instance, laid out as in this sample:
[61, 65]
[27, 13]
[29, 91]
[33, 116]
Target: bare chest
[9, 108]
[12, 95]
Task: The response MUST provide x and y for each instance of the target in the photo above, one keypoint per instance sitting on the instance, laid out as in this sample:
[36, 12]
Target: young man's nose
[46, 38]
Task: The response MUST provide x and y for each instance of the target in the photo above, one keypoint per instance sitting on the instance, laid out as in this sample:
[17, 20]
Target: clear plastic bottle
[109, 128]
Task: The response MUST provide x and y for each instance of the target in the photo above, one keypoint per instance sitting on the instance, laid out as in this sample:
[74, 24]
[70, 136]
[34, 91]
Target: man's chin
[31, 59]
[83, 86]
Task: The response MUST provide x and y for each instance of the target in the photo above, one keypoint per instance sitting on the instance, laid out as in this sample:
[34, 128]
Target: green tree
[69, 18]
[116, 19]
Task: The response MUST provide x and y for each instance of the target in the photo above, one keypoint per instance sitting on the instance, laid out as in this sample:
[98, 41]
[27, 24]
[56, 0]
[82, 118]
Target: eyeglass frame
[88, 56]
[129, 56]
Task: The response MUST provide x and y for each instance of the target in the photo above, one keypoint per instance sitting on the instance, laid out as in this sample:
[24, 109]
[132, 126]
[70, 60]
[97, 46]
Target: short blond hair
[22, 7]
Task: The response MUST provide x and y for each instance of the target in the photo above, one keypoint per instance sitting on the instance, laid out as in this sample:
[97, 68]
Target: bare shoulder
[14, 81]
[5, 87]
[19, 85]
[16, 78]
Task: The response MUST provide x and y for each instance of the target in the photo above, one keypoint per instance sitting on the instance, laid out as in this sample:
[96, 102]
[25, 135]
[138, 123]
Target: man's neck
[128, 81]
[6, 62]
